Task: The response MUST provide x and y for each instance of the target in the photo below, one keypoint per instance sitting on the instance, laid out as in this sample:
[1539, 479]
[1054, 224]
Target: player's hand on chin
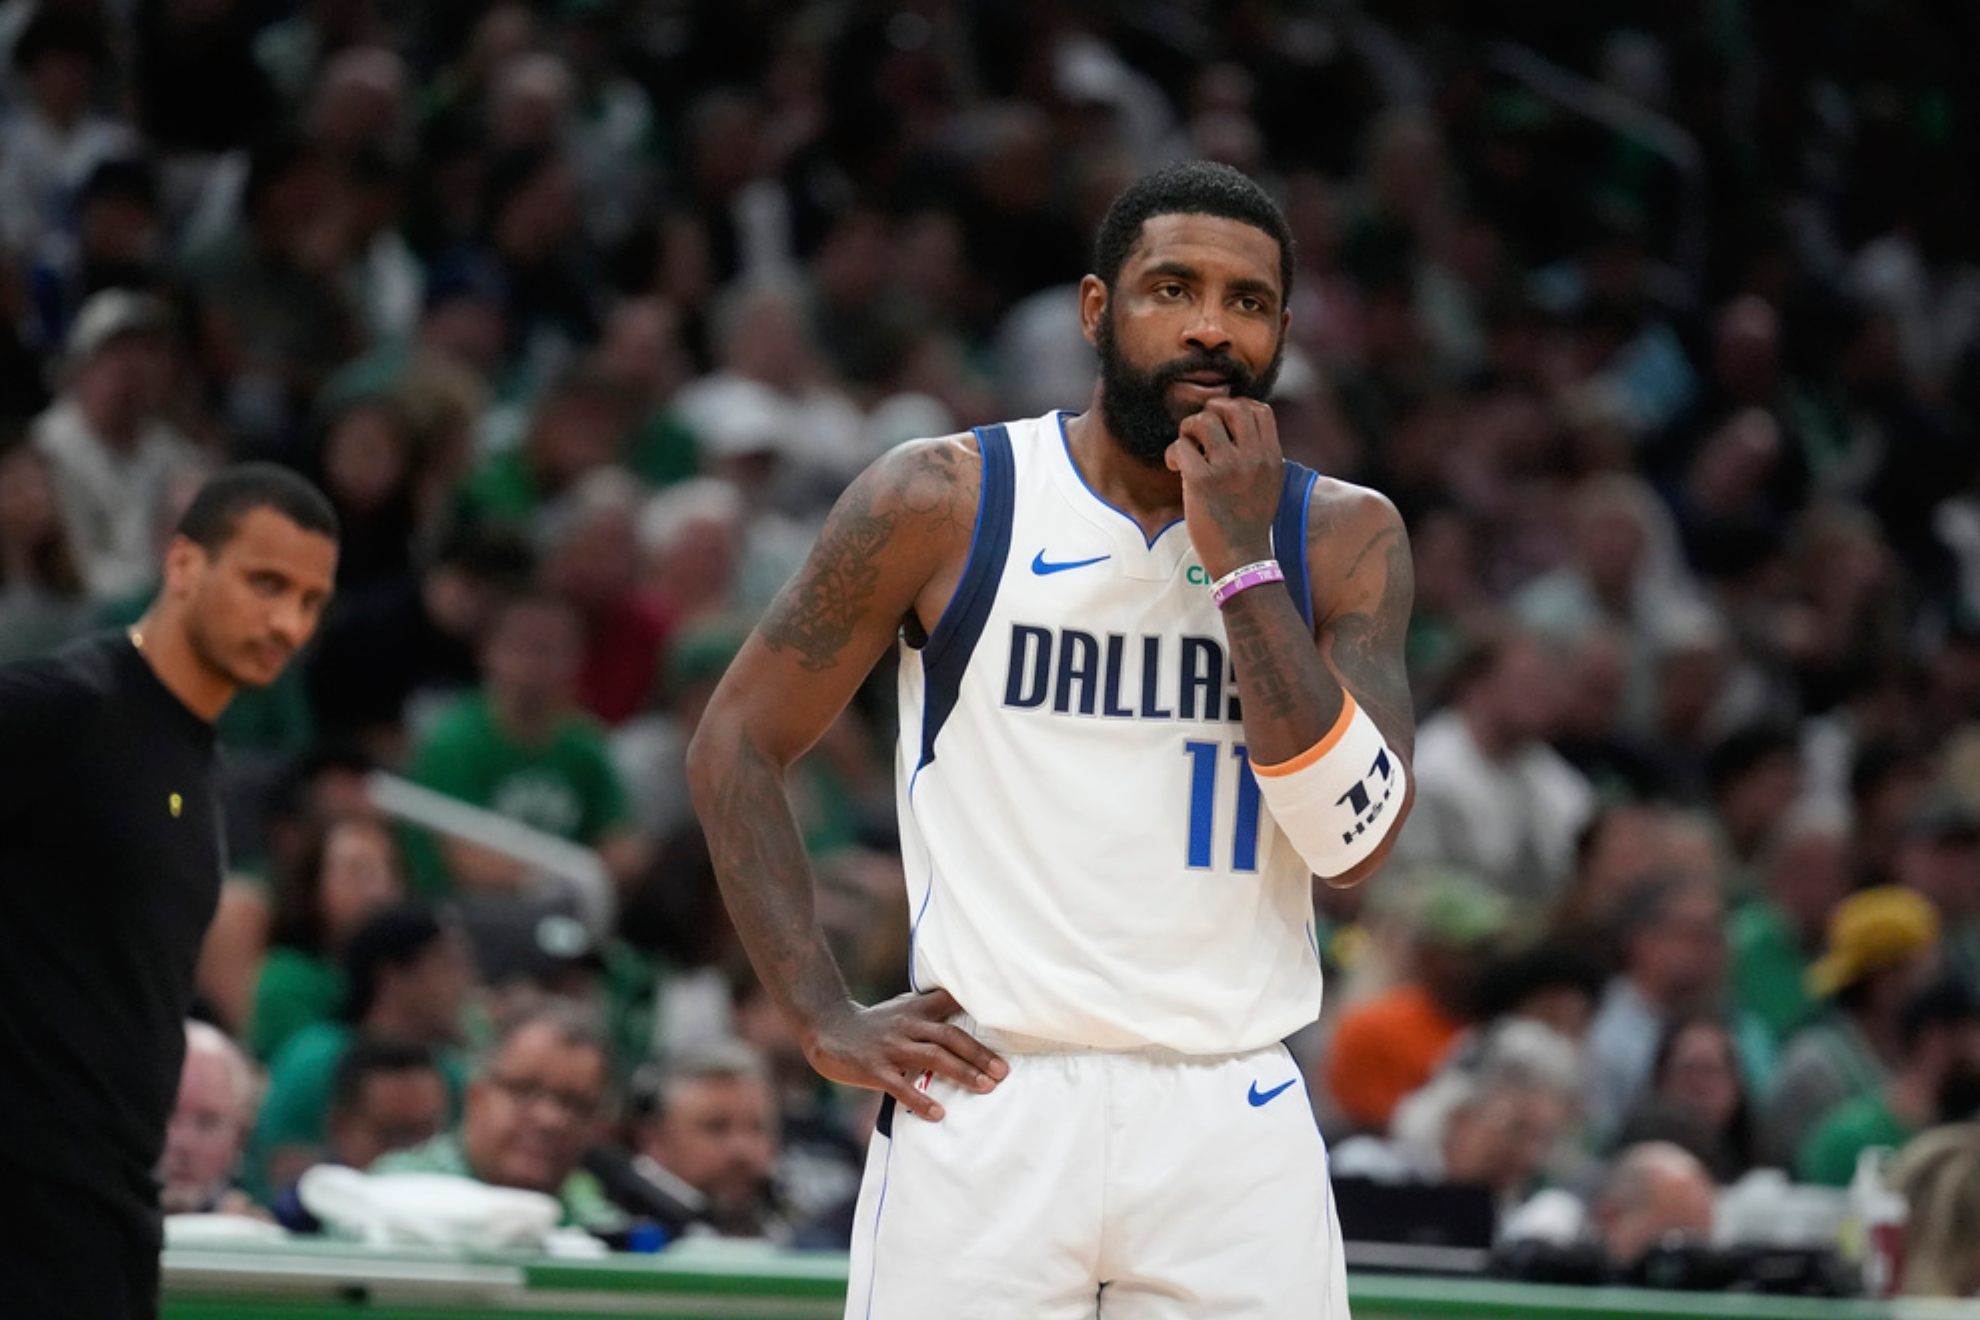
[888, 1046]
[1232, 470]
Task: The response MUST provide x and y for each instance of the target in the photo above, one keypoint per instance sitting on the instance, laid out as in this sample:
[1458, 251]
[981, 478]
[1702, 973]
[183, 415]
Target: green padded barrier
[320, 1281]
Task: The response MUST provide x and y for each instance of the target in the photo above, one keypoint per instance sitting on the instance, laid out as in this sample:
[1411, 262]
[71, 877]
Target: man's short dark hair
[397, 937]
[216, 511]
[369, 1057]
[1196, 187]
[1510, 981]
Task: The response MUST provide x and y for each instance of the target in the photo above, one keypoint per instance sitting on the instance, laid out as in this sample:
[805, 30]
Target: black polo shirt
[110, 860]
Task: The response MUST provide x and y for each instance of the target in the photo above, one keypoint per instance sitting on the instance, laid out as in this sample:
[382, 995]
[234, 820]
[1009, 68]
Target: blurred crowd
[1659, 323]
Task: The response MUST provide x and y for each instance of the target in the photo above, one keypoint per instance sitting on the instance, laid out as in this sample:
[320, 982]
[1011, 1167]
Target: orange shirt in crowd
[1385, 1048]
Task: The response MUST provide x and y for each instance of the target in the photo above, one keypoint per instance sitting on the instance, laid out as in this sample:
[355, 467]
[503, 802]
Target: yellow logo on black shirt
[177, 804]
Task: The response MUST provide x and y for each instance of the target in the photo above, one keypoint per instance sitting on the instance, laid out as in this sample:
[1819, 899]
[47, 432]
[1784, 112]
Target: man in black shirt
[110, 861]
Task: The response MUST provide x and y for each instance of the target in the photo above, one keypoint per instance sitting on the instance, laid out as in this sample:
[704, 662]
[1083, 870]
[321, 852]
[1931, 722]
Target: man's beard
[1135, 403]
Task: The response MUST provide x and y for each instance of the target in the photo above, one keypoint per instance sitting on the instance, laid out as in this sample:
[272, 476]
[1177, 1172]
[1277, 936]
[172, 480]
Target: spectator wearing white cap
[110, 447]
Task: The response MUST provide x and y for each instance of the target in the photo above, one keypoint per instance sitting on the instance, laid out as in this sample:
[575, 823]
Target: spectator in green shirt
[349, 869]
[1778, 932]
[1882, 947]
[533, 1109]
[521, 746]
[409, 971]
[1938, 1082]
[581, 424]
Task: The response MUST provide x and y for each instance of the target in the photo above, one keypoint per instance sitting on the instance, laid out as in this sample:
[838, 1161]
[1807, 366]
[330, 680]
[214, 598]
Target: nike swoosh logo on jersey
[1258, 1097]
[1043, 568]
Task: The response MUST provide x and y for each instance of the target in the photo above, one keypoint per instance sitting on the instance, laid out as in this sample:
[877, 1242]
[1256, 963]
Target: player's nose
[1207, 334]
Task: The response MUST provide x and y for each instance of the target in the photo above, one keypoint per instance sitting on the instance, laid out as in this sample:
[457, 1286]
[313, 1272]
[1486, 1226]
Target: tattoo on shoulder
[938, 486]
[816, 614]
[1367, 647]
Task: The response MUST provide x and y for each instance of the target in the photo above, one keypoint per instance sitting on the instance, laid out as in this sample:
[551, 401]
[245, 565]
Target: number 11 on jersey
[1203, 806]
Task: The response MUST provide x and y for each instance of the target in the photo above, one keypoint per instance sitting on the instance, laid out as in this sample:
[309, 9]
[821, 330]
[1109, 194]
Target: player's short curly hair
[1196, 187]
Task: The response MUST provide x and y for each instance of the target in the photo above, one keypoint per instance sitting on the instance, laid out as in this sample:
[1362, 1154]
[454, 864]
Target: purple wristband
[1243, 579]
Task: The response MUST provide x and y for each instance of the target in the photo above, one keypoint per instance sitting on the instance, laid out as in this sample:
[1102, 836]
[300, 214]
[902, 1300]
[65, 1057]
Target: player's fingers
[1189, 434]
[1209, 427]
[1248, 422]
[923, 1057]
[986, 1065]
[1186, 458]
[911, 1097]
[935, 1005]
[1266, 427]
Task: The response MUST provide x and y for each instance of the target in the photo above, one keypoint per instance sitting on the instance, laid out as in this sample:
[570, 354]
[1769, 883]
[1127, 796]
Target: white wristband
[1336, 801]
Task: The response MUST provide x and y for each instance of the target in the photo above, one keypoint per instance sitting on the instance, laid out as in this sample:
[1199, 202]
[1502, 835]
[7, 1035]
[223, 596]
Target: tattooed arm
[894, 545]
[1232, 470]
[1364, 583]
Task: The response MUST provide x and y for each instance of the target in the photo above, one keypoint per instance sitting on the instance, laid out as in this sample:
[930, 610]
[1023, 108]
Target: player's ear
[1093, 301]
[186, 561]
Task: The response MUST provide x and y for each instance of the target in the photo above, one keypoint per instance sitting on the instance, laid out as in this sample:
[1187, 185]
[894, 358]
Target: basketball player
[1151, 679]
[109, 871]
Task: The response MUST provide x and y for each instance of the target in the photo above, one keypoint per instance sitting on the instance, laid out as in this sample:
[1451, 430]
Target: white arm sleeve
[1339, 798]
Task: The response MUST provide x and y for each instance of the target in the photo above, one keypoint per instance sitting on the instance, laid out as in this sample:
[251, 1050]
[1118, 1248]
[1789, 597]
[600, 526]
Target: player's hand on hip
[888, 1046]
[1232, 471]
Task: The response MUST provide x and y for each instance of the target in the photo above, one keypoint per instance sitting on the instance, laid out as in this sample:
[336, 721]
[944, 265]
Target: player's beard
[1135, 404]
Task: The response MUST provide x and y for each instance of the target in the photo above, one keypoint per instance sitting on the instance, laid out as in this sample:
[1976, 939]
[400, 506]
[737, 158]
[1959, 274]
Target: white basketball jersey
[1088, 857]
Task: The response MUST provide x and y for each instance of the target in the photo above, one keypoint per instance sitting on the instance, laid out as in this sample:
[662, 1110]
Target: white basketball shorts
[1129, 1186]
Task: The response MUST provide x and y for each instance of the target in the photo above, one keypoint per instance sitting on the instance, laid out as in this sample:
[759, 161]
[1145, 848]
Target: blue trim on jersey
[1326, 1186]
[914, 927]
[1289, 530]
[946, 656]
[886, 1126]
[1103, 500]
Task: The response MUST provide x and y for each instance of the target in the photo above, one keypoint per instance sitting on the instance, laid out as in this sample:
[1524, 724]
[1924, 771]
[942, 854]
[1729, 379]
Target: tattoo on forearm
[1367, 648]
[1267, 658]
[766, 881]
